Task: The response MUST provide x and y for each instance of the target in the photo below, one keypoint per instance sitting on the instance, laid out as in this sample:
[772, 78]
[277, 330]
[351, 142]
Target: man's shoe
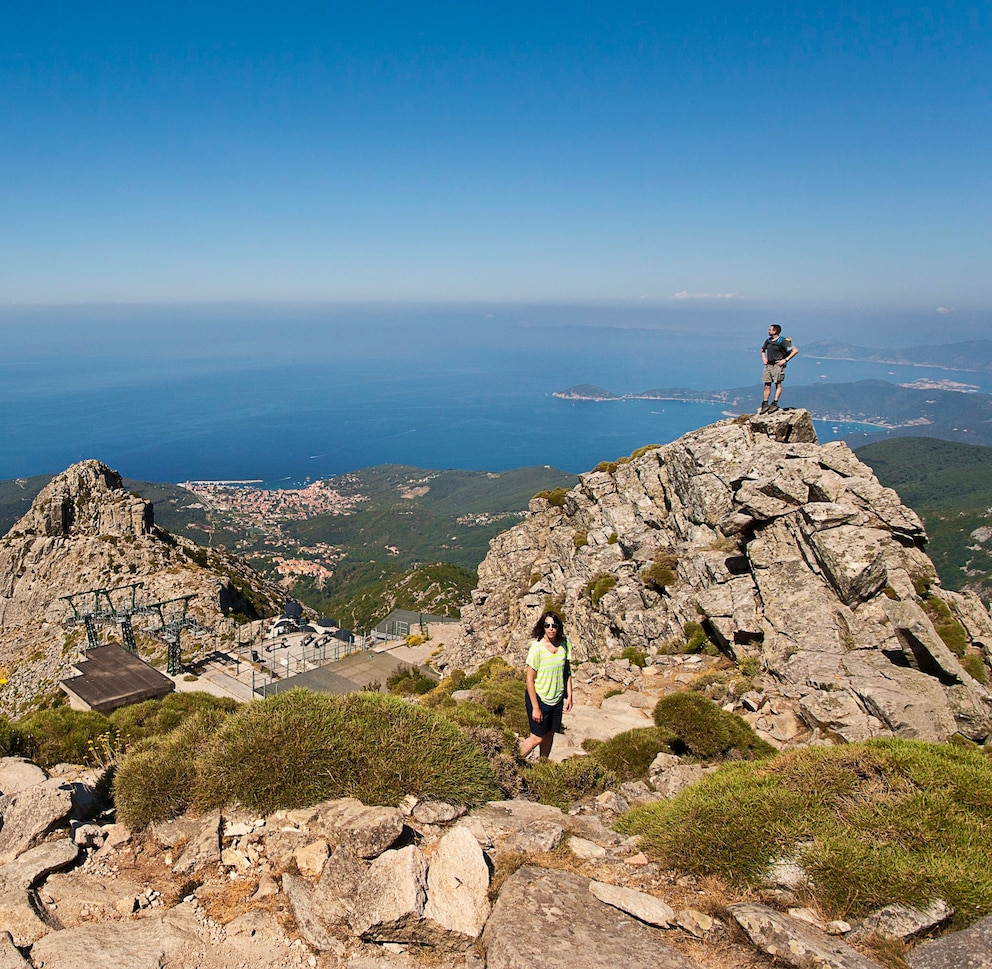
[763, 409]
[772, 407]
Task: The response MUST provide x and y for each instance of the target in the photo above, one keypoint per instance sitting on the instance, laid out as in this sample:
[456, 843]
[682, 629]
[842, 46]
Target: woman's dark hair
[538, 631]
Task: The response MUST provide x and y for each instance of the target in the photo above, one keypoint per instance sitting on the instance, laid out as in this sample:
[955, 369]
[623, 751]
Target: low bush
[156, 717]
[887, 821]
[696, 640]
[562, 782]
[9, 739]
[406, 680]
[641, 451]
[636, 657]
[555, 497]
[598, 586]
[701, 730]
[629, 754]
[504, 698]
[60, 736]
[298, 748]
[974, 666]
[951, 631]
[157, 778]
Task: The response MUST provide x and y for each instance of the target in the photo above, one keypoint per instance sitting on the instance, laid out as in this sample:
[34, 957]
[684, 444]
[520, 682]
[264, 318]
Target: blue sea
[281, 399]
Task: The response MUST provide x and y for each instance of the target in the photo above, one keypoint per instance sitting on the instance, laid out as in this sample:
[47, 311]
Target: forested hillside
[949, 485]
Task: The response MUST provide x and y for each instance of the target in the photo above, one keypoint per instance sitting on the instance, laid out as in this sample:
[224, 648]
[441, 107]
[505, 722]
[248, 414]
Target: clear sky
[777, 154]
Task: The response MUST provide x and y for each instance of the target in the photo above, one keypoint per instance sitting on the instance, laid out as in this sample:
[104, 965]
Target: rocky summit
[85, 531]
[786, 555]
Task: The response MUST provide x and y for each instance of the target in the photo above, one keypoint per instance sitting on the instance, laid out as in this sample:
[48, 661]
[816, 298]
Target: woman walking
[549, 684]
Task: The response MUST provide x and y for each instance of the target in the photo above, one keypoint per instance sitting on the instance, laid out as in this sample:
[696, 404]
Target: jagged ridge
[784, 550]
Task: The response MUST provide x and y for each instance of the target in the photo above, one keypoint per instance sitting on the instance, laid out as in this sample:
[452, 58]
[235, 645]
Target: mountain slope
[85, 531]
[789, 557]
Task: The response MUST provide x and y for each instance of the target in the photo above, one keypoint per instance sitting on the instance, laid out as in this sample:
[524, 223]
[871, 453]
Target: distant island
[944, 409]
[588, 392]
[585, 392]
[970, 355]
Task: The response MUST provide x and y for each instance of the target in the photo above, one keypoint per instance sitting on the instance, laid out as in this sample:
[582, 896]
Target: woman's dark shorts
[551, 716]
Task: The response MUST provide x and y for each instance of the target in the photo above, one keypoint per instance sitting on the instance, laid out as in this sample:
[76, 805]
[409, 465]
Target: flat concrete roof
[344, 676]
[111, 677]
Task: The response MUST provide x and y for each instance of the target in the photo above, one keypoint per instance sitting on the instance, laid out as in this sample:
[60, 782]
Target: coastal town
[262, 510]
[263, 505]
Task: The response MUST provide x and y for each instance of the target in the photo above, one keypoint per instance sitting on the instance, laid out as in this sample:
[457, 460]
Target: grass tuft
[872, 824]
[560, 783]
[701, 730]
[299, 748]
[629, 754]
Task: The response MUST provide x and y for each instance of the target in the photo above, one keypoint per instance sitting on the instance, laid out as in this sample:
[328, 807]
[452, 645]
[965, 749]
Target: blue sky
[771, 156]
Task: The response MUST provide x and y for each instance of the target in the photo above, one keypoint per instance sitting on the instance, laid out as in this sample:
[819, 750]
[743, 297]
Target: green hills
[949, 485]
[412, 538]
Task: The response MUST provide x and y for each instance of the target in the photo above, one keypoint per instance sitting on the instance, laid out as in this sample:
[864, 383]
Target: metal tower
[119, 606]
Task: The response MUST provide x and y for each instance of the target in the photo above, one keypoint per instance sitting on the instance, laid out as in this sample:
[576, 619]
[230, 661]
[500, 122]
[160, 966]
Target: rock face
[85, 531]
[787, 553]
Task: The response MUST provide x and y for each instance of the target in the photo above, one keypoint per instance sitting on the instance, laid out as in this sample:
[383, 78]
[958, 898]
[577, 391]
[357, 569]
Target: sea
[280, 399]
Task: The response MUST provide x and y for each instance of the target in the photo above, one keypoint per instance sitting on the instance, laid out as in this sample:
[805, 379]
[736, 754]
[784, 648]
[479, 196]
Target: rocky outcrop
[85, 531]
[781, 551]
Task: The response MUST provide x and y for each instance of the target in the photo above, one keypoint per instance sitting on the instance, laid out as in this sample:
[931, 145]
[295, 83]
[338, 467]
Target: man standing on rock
[776, 352]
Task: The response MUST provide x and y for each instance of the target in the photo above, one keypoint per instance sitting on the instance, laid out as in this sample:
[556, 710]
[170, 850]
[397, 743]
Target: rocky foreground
[507, 885]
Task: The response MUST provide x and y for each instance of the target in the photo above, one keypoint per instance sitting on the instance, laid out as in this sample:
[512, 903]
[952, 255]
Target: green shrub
[609, 467]
[499, 691]
[505, 699]
[636, 657]
[579, 540]
[612, 538]
[696, 640]
[9, 739]
[598, 586]
[562, 782]
[953, 634]
[60, 736]
[493, 668]
[661, 573]
[974, 666]
[157, 717]
[703, 731]
[298, 748]
[555, 497]
[157, 778]
[629, 754]
[872, 824]
[613, 691]
[470, 714]
[641, 451]
[406, 680]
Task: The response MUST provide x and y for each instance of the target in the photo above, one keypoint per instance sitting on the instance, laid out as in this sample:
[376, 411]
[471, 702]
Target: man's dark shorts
[551, 719]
